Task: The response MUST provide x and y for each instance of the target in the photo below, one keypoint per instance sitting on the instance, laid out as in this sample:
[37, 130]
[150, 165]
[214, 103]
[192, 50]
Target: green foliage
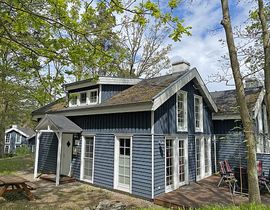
[23, 150]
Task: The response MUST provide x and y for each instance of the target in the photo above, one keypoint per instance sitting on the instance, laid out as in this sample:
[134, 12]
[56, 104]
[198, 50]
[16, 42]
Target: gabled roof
[147, 95]
[227, 104]
[58, 123]
[27, 132]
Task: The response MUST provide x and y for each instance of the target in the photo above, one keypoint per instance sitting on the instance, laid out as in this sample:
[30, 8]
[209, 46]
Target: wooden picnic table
[11, 183]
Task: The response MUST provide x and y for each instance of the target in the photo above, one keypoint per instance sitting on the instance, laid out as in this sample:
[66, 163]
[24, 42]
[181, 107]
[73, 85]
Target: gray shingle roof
[142, 92]
[59, 123]
[227, 104]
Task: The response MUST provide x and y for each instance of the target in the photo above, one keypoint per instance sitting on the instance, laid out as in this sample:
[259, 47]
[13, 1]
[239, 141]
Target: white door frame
[66, 160]
[116, 164]
[83, 155]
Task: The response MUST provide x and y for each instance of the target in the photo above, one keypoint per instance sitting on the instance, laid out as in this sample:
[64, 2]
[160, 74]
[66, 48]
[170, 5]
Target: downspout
[153, 150]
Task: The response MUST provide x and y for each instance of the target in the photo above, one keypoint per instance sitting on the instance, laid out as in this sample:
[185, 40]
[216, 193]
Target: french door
[88, 158]
[123, 163]
[176, 160]
[203, 157]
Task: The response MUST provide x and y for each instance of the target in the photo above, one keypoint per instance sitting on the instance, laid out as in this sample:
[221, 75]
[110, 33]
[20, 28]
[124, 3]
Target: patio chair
[227, 177]
[263, 180]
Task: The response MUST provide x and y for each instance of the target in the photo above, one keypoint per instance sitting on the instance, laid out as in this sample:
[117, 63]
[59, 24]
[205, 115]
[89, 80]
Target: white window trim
[7, 142]
[87, 98]
[8, 149]
[82, 158]
[116, 163]
[203, 175]
[185, 128]
[90, 91]
[176, 182]
[260, 121]
[200, 129]
[265, 119]
[20, 139]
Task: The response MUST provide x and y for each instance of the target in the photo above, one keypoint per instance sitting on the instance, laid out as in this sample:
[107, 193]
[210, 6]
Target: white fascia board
[17, 130]
[105, 81]
[109, 109]
[226, 117]
[159, 99]
[258, 103]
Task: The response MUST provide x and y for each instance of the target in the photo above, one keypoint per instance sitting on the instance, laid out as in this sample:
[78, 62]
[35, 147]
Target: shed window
[93, 97]
[198, 112]
[181, 111]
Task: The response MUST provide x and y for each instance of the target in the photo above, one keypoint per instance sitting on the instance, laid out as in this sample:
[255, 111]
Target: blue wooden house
[141, 136]
[17, 136]
[229, 137]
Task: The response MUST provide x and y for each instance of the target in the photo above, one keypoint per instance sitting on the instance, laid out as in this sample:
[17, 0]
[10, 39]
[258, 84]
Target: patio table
[11, 183]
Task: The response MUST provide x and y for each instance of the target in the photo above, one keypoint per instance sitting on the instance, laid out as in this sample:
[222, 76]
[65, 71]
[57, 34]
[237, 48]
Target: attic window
[73, 100]
[93, 97]
[7, 141]
[83, 98]
[198, 113]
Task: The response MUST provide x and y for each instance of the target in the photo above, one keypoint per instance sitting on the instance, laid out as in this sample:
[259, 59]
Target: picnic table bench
[11, 183]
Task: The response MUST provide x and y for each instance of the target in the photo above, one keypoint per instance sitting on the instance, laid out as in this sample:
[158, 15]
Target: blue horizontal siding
[142, 165]
[47, 159]
[159, 165]
[191, 158]
[232, 148]
[104, 160]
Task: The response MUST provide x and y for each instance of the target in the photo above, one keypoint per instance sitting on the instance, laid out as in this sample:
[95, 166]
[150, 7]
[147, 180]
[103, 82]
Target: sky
[203, 49]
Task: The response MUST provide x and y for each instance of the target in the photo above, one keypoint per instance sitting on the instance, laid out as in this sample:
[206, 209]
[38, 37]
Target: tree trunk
[253, 186]
[266, 48]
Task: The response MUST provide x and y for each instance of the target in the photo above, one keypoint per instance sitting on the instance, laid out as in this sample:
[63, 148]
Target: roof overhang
[138, 107]
[100, 81]
[163, 96]
[58, 123]
[18, 131]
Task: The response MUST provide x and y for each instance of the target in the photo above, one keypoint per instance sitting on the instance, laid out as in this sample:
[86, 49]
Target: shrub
[23, 150]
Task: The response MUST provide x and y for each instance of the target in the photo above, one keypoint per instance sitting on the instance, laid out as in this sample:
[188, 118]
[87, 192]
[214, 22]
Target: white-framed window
[93, 96]
[176, 162]
[73, 99]
[17, 146]
[88, 97]
[265, 124]
[260, 121]
[88, 154]
[7, 138]
[181, 111]
[203, 157]
[18, 138]
[6, 149]
[260, 143]
[83, 98]
[123, 163]
[198, 113]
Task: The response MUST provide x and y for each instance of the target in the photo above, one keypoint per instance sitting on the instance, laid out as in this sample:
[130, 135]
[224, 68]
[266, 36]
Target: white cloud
[203, 49]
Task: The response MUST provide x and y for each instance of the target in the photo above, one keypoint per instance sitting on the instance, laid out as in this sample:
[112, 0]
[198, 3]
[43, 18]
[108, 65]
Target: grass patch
[17, 163]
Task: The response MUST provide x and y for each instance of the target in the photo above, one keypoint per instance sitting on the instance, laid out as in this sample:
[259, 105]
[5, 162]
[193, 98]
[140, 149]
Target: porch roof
[58, 123]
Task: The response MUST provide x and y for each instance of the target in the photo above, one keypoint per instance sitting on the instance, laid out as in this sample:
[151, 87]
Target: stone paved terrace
[203, 193]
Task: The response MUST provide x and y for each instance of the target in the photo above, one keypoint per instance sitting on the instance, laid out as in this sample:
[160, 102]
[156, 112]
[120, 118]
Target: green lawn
[14, 164]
